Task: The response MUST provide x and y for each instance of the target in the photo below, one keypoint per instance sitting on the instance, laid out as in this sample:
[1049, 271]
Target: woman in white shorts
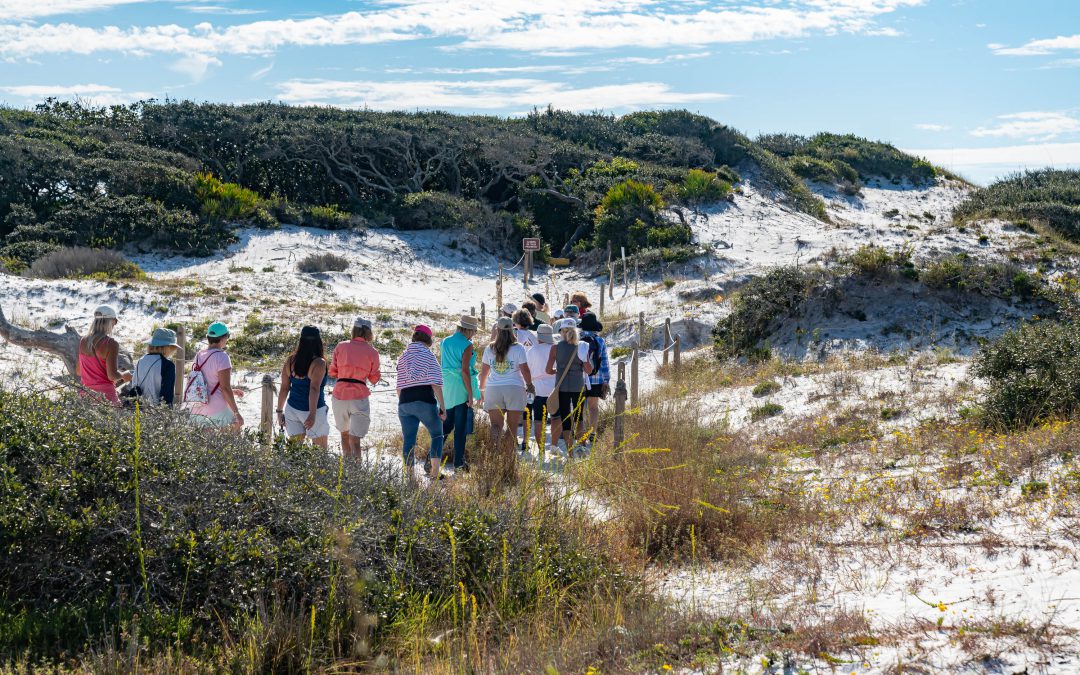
[302, 409]
[505, 380]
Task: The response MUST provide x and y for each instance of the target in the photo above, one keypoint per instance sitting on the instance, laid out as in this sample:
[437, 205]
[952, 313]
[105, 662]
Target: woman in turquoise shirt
[460, 385]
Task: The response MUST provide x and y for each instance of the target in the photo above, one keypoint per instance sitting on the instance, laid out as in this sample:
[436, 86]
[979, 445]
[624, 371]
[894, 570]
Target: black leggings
[570, 405]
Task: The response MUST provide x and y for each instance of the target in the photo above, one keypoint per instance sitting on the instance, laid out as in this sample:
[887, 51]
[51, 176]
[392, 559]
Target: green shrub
[75, 262]
[1049, 196]
[316, 263]
[224, 202]
[630, 215]
[765, 411]
[996, 279]
[701, 187]
[1033, 373]
[758, 304]
[329, 217]
[191, 538]
[830, 171]
[766, 388]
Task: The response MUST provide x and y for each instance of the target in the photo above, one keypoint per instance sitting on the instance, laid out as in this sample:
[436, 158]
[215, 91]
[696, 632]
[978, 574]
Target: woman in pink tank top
[98, 352]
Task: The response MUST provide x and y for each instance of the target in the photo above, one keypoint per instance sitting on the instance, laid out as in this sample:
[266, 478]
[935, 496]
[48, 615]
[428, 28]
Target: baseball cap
[104, 312]
[361, 322]
[217, 329]
[422, 329]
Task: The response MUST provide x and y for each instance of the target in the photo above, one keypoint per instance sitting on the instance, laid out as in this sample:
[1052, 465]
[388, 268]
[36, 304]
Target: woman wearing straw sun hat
[461, 388]
[154, 377]
[98, 355]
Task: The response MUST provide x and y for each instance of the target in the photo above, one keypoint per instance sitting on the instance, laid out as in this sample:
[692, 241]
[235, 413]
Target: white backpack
[196, 390]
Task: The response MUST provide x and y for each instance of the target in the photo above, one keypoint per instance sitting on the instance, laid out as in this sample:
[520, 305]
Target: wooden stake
[620, 408]
[634, 380]
[611, 280]
[642, 342]
[180, 359]
[266, 422]
[498, 290]
[625, 275]
[667, 339]
[483, 317]
[601, 300]
[678, 352]
[637, 276]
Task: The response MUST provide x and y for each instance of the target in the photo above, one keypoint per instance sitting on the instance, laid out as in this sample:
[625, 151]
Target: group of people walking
[537, 369]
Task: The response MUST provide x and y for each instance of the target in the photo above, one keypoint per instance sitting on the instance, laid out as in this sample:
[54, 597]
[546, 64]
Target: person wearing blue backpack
[599, 380]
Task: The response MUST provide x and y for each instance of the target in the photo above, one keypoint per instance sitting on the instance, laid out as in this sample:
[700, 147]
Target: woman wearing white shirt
[505, 380]
[544, 381]
[522, 323]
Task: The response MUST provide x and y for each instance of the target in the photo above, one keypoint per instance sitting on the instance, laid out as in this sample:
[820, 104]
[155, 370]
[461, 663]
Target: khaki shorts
[353, 416]
[222, 419]
[510, 397]
[294, 423]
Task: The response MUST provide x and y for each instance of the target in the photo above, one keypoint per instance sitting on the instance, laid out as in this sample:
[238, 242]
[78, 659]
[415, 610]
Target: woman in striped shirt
[420, 399]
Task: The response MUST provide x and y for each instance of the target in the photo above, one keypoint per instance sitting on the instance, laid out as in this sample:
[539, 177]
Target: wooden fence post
[634, 380]
[611, 280]
[642, 344]
[266, 421]
[498, 290]
[637, 276]
[678, 352]
[483, 317]
[667, 339]
[620, 407]
[180, 360]
[601, 300]
[472, 311]
[566, 300]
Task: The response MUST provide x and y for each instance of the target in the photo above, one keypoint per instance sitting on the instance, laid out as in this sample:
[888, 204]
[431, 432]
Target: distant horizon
[983, 91]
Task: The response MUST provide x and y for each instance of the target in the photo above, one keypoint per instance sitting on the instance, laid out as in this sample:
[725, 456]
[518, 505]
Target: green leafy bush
[877, 263]
[1049, 196]
[224, 202]
[701, 187]
[831, 171]
[329, 217]
[765, 411]
[78, 261]
[766, 388]
[630, 215]
[758, 304]
[995, 279]
[868, 158]
[1033, 373]
[113, 525]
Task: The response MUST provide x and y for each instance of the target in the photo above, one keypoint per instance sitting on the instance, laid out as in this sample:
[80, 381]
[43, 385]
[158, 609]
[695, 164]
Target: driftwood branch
[569, 199]
[63, 345]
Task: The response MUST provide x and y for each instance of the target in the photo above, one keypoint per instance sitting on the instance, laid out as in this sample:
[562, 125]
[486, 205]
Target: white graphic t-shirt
[508, 371]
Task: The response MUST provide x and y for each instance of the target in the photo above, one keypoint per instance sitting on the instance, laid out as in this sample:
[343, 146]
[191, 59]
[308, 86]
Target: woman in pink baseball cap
[420, 399]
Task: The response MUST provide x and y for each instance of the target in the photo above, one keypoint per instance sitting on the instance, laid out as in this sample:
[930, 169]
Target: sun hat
[104, 312]
[509, 308]
[361, 323]
[545, 334]
[421, 328]
[162, 337]
[558, 314]
[469, 322]
[539, 298]
[590, 323]
[309, 332]
[217, 330]
[504, 323]
[563, 324]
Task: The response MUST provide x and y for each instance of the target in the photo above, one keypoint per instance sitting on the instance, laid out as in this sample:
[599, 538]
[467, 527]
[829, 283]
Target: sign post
[529, 245]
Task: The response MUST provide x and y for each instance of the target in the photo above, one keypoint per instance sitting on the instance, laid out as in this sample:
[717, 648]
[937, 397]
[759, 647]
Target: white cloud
[220, 10]
[1034, 126]
[1039, 47]
[535, 26]
[932, 127]
[30, 9]
[96, 94]
[502, 94]
[652, 61]
[195, 66]
[983, 165]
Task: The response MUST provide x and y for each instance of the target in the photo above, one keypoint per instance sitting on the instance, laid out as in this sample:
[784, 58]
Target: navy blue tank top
[299, 388]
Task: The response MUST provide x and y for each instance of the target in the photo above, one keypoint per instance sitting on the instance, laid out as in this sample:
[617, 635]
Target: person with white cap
[154, 378]
[355, 365]
[507, 311]
[97, 366]
[569, 363]
[461, 388]
[505, 380]
[543, 381]
[220, 409]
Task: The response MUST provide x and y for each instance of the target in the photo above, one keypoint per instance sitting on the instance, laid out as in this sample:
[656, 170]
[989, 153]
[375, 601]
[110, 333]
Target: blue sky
[981, 86]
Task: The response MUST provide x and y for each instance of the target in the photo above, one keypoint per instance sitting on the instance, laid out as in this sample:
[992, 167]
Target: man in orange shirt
[355, 365]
